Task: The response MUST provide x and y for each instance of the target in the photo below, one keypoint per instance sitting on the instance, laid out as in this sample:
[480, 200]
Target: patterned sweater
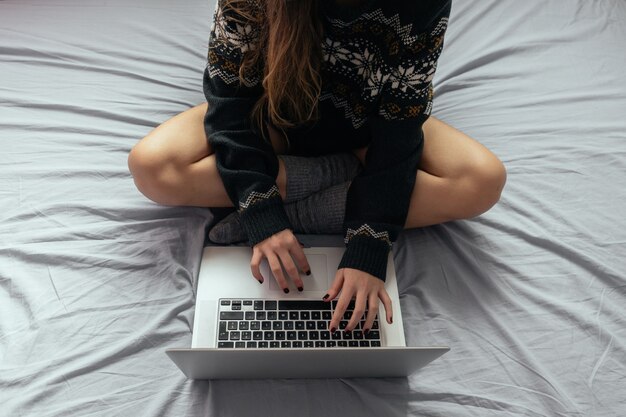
[379, 58]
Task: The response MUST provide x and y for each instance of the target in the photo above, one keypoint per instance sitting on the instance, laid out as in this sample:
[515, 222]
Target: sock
[306, 176]
[321, 212]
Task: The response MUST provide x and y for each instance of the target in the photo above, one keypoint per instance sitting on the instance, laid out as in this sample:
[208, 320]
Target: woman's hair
[289, 50]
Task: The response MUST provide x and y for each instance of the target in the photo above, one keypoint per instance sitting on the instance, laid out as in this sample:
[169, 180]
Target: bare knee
[154, 172]
[483, 185]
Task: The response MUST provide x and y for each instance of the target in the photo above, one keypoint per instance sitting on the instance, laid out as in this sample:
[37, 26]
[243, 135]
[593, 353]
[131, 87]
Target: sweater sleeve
[245, 161]
[378, 199]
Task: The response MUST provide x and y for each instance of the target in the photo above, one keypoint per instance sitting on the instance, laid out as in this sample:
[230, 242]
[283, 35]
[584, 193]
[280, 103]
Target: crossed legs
[458, 177]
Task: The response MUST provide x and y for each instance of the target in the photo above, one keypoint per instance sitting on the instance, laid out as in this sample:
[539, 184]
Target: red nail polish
[260, 282]
[325, 297]
[391, 320]
[286, 290]
[300, 289]
[333, 329]
[308, 272]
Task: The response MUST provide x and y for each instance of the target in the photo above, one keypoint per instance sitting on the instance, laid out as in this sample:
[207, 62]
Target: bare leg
[175, 165]
[458, 177]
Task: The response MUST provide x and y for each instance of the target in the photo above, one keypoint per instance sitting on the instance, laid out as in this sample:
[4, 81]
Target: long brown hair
[289, 49]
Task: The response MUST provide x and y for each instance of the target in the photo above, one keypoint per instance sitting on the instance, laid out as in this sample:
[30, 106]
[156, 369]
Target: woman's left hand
[367, 289]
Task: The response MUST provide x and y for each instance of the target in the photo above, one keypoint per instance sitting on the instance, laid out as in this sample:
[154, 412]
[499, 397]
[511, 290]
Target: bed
[96, 281]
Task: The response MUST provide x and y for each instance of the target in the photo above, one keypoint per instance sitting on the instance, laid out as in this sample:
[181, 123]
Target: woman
[316, 82]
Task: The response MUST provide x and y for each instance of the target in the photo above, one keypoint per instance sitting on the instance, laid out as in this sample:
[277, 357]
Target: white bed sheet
[96, 281]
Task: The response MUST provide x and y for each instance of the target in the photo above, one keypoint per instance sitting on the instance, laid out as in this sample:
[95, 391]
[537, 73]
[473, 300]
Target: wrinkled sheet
[96, 281]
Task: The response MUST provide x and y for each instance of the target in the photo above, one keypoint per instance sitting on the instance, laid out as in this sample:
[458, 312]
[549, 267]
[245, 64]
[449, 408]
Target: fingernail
[286, 290]
[300, 289]
[308, 272]
[260, 282]
[325, 297]
[366, 331]
[391, 320]
[333, 329]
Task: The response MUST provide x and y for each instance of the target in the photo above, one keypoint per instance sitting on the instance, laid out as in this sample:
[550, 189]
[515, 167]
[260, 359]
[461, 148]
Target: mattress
[96, 281]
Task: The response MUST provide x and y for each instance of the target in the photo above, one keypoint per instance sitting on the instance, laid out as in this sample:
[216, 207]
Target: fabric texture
[377, 71]
[97, 281]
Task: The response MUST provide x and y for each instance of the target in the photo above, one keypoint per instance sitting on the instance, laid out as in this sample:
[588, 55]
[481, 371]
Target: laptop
[243, 330]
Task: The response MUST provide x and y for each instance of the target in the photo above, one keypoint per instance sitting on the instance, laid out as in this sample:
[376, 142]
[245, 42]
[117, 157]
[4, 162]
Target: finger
[290, 267]
[340, 309]
[255, 265]
[335, 287]
[300, 257]
[277, 270]
[384, 297]
[372, 310]
[359, 309]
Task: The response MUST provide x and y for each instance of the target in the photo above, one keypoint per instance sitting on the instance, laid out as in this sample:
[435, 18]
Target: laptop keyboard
[256, 323]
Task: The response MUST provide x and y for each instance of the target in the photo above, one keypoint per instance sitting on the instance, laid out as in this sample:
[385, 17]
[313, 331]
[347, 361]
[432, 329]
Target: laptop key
[373, 334]
[320, 343]
[222, 326]
[271, 315]
[364, 343]
[314, 335]
[285, 344]
[258, 304]
[358, 334]
[336, 335]
[223, 336]
[316, 315]
[342, 343]
[321, 325]
[277, 325]
[353, 343]
[246, 335]
[300, 325]
[257, 335]
[243, 325]
[288, 325]
[270, 304]
[225, 302]
[249, 315]
[302, 335]
[274, 344]
[263, 344]
[303, 305]
[225, 344]
[266, 325]
[234, 335]
[291, 335]
[375, 343]
[268, 335]
[247, 302]
[305, 315]
[251, 344]
[310, 325]
[232, 325]
[283, 315]
[260, 315]
[255, 325]
[240, 344]
[293, 315]
[279, 335]
[325, 335]
[296, 344]
[327, 315]
[308, 344]
[331, 343]
[231, 315]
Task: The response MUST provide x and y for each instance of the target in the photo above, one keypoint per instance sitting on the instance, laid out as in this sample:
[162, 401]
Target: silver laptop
[243, 330]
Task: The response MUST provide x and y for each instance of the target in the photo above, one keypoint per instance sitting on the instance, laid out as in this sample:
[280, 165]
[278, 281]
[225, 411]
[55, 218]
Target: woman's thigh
[450, 153]
[180, 140]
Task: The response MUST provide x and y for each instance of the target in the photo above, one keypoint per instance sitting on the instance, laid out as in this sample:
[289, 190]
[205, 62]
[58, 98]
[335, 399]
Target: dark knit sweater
[379, 59]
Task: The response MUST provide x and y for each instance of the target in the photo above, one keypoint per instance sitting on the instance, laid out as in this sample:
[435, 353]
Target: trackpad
[319, 280]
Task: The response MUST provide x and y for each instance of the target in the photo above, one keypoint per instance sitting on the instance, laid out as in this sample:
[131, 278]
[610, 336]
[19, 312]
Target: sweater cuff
[264, 219]
[367, 254]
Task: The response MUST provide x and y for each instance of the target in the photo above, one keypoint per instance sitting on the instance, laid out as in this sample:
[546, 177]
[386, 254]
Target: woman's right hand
[281, 249]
